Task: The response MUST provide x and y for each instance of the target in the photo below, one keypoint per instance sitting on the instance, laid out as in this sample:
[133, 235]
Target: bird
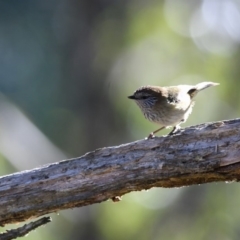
[168, 106]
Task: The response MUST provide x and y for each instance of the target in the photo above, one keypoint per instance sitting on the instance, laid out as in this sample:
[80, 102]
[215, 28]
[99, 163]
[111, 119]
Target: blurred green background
[66, 69]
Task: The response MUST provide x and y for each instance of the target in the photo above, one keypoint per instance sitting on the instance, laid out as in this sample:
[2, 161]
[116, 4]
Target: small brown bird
[168, 106]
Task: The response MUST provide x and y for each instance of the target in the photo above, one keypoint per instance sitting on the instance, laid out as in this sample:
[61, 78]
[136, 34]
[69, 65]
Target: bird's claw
[151, 136]
[175, 130]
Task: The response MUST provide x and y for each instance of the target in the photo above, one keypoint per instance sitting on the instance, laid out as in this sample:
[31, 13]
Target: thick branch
[200, 154]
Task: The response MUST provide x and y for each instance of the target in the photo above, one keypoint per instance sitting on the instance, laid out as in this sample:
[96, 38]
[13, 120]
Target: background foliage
[66, 69]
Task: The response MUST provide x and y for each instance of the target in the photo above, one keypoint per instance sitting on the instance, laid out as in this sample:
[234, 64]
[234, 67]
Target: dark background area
[66, 69]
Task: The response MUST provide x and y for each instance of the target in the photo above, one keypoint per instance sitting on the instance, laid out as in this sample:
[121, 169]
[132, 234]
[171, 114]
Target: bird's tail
[203, 85]
[199, 87]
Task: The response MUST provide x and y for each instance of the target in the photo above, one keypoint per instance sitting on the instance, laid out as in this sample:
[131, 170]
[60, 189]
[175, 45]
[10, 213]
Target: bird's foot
[175, 130]
[151, 136]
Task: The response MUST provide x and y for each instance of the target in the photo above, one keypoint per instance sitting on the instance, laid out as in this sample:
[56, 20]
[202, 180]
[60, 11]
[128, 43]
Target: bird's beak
[132, 97]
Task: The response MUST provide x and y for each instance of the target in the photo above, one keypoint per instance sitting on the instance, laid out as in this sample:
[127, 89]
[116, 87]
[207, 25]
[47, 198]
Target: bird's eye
[144, 97]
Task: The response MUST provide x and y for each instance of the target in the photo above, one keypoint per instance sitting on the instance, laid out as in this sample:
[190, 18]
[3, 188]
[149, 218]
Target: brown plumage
[168, 106]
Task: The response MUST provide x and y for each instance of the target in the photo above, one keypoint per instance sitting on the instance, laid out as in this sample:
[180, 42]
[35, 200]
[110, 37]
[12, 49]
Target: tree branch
[200, 154]
[22, 231]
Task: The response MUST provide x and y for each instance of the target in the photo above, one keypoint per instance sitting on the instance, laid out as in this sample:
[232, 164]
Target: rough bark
[200, 154]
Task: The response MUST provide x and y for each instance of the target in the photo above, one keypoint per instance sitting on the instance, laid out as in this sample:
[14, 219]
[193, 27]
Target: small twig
[22, 231]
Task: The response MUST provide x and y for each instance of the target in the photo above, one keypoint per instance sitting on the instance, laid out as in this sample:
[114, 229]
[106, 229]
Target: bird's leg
[175, 129]
[151, 135]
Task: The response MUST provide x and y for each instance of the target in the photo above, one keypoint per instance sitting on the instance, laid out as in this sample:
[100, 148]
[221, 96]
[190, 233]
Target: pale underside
[168, 113]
